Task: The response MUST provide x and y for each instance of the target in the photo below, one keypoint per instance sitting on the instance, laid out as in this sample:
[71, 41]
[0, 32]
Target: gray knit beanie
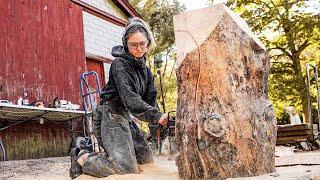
[137, 22]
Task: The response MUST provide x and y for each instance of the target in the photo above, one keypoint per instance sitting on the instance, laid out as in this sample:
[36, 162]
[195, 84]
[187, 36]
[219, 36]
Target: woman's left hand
[163, 119]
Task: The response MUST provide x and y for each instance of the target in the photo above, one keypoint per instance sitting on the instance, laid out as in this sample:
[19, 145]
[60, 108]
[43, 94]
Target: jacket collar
[120, 51]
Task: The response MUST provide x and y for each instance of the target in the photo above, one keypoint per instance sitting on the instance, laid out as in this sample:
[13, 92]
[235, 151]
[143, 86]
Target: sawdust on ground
[305, 167]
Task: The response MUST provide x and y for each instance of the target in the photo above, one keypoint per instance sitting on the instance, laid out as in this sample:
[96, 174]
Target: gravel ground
[163, 168]
[54, 168]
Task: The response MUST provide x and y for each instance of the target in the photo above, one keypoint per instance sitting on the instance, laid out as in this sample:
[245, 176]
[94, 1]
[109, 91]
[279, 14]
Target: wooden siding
[97, 66]
[41, 49]
[33, 140]
[99, 13]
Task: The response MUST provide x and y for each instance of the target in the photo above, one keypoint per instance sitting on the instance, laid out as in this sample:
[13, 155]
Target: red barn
[44, 47]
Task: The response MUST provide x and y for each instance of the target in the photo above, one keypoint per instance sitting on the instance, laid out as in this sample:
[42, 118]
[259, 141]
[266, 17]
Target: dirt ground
[302, 165]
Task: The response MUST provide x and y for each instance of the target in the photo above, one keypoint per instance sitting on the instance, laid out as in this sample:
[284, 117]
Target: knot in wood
[214, 125]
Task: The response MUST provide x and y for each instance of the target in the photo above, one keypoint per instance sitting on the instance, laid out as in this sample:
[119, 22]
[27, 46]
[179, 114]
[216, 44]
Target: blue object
[86, 93]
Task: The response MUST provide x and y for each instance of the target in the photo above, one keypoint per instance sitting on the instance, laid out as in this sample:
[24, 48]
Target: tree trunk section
[225, 125]
[302, 92]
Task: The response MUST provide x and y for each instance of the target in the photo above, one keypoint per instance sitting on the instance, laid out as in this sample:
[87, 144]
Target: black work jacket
[131, 87]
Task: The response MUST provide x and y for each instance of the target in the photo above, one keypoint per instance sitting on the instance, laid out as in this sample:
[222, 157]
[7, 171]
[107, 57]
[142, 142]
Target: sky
[196, 4]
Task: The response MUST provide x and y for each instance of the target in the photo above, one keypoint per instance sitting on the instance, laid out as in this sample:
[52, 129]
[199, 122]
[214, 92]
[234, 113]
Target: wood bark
[225, 125]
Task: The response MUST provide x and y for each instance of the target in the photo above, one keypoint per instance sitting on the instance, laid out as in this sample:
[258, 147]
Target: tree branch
[302, 47]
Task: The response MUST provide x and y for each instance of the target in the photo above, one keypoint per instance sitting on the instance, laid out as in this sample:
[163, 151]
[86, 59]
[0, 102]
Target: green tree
[159, 15]
[288, 28]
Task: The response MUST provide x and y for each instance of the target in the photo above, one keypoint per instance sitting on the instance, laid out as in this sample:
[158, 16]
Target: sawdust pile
[304, 165]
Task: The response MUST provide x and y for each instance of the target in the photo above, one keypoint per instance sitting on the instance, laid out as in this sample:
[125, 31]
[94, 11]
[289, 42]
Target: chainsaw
[159, 132]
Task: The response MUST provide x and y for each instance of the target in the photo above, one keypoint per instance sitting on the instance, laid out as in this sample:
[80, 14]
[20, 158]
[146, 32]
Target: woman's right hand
[163, 119]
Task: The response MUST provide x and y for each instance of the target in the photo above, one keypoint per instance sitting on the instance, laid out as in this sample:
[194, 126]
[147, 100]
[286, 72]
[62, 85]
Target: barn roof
[125, 6]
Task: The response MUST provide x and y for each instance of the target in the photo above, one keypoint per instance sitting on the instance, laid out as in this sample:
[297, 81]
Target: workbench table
[17, 114]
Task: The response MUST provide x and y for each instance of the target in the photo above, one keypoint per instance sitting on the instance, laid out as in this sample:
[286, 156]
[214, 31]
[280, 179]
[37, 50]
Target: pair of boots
[78, 148]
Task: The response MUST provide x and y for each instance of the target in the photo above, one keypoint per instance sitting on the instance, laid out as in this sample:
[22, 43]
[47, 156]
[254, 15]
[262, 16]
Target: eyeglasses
[135, 45]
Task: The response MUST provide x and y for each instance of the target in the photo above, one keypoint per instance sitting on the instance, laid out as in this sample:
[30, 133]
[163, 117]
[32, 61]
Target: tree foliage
[290, 31]
[159, 15]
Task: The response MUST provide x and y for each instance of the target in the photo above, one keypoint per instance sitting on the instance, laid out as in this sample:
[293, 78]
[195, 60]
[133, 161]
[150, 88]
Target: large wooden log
[225, 125]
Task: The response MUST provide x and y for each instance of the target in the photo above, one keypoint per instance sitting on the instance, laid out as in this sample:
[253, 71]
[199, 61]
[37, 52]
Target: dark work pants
[124, 144]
